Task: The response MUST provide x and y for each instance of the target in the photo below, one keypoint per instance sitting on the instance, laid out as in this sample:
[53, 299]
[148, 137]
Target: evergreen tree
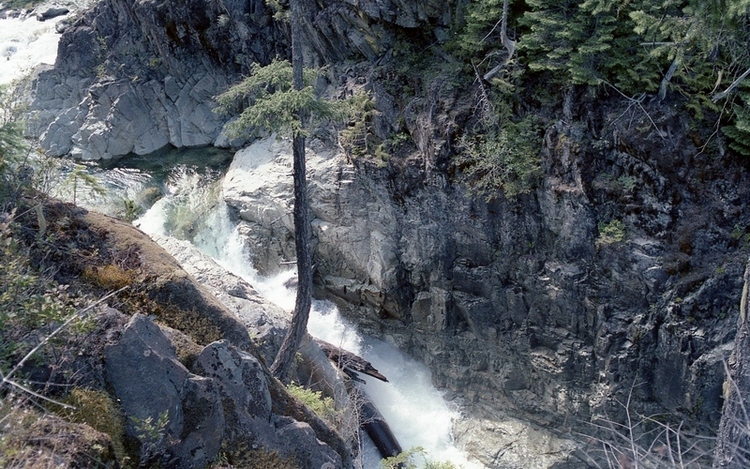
[279, 96]
[739, 131]
[298, 326]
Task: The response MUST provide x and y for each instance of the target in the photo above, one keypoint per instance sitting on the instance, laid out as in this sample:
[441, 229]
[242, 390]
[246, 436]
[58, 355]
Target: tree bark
[733, 439]
[298, 327]
[509, 44]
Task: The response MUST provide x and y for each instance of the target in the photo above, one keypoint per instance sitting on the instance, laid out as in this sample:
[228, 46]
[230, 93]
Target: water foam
[24, 44]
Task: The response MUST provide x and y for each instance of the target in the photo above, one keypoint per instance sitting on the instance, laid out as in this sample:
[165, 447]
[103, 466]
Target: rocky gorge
[532, 319]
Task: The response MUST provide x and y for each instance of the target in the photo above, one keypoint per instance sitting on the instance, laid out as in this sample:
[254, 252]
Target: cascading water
[192, 209]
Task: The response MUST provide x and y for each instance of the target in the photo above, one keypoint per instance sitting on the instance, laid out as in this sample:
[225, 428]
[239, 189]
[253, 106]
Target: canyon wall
[521, 306]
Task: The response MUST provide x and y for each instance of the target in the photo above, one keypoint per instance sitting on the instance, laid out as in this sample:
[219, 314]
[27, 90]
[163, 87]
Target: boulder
[247, 400]
[181, 419]
[175, 415]
[198, 313]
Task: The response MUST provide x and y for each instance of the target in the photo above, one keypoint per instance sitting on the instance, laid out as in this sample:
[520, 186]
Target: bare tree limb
[665, 81]
[509, 44]
[731, 87]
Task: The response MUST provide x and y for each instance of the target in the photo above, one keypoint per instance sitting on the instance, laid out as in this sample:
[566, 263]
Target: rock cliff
[521, 308]
[135, 77]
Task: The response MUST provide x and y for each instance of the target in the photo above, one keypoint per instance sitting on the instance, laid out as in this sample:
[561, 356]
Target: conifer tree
[279, 96]
[303, 301]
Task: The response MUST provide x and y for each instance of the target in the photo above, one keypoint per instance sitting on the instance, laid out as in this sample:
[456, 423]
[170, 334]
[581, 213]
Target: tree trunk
[298, 326]
[733, 439]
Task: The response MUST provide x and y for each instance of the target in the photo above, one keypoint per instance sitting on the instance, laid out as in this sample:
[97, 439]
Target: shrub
[29, 438]
[242, 455]
[611, 232]
[503, 161]
[405, 460]
[99, 411]
[28, 300]
[110, 277]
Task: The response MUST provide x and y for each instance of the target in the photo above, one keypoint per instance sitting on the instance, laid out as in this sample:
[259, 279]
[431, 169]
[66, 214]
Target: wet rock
[51, 12]
[512, 444]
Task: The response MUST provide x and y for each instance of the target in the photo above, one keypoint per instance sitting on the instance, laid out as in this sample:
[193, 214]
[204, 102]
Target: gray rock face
[733, 443]
[246, 397]
[135, 77]
[177, 416]
[511, 444]
[266, 321]
[132, 78]
[513, 305]
[181, 419]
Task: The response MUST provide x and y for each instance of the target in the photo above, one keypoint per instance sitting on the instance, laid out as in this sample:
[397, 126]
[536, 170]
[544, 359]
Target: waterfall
[192, 209]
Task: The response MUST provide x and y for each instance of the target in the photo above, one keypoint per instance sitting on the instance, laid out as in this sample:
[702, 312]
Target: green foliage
[267, 100]
[131, 210]
[704, 43]
[28, 301]
[13, 147]
[356, 138]
[323, 406]
[691, 47]
[739, 131]
[505, 160]
[586, 43]
[244, 455]
[79, 179]
[611, 232]
[480, 34]
[405, 460]
[11, 151]
[150, 432]
[99, 411]
[280, 9]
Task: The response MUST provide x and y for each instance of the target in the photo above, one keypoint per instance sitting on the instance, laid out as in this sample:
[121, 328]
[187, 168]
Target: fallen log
[375, 425]
[348, 362]
[370, 418]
